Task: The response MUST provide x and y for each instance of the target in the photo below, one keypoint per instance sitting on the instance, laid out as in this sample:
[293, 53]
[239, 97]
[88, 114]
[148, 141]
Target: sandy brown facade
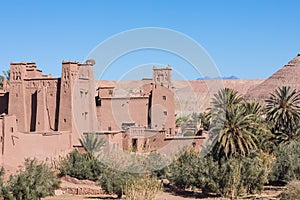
[44, 117]
[145, 112]
[37, 119]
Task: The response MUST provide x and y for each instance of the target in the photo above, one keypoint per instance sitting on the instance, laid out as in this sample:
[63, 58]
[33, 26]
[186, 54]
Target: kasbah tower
[44, 117]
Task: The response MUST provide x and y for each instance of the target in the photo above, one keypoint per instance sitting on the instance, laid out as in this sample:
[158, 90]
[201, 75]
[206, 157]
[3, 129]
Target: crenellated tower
[163, 76]
[68, 76]
[162, 101]
[17, 101]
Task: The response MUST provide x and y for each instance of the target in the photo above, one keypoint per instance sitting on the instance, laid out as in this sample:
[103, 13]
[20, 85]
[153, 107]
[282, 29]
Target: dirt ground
[269, 193]
[266, 195]
[160, 196]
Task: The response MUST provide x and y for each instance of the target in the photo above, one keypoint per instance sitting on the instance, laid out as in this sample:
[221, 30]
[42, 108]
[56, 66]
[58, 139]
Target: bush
[4, 190]
[189, 133]
[292, 191]
[230, 177]
[114, 181]
[287, 165]
[142, 188]
[81, 166]
[35, 182]
[182, 173]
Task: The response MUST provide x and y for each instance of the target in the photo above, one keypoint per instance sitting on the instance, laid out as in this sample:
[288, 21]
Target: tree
[225, 99]
[183, 172]
[35, 182]
[81, 166]
[6, 75]
[237, 136]
[283, 110]
[92, 144]
[263, 132]
[286, 167]
[233, 126]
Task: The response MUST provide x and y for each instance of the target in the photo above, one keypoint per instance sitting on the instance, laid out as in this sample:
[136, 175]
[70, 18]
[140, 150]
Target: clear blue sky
[248, 39]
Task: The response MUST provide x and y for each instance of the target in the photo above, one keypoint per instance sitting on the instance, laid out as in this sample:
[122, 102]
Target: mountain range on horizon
[218, 78]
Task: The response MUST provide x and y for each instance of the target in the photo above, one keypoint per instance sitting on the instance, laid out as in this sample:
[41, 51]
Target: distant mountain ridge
[219, 78]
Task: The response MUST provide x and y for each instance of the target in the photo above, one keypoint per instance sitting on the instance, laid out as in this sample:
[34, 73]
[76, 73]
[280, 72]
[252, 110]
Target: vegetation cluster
[248, 147]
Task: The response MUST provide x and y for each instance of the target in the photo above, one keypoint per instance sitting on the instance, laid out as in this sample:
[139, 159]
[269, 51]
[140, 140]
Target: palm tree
[225, 99]
[263, 132]
[92, 144]
[237, 135]
[6, 75]
[233, 127]
[283, 110]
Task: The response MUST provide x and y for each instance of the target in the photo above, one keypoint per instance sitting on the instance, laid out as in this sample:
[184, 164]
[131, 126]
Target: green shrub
[226, 177]
[182, 173]
[35, 182]
[292, 191]
[4, 189]
[189, 133]
[142, 188]
[287, 165]
[81, 166]
[114, 181]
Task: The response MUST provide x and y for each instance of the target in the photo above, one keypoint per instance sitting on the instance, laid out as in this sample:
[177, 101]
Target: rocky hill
[289, 75]
[190, 96]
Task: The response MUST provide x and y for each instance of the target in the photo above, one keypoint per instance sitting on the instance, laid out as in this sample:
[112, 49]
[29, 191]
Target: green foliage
[92, 144]
[287, 165]
[292, 191]
[4, 189]
[227, 177]
[35, 182]
[114, 181]
[183, 171]
[81, 166]
[194, 119]
[283, 110]
[6, 75]
[254, 172]
[189, 133]
[112, 177]
[235, 124]
[142, 188]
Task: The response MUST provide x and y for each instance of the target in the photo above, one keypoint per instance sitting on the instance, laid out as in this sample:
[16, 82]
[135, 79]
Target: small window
[164, 98]
[109, 128]
[65, 120]
[110, 92]
[134, 145]
[12, 129]
[165, 113]
[194, 144]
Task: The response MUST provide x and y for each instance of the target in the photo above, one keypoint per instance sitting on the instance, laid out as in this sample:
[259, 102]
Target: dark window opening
[165, 113]
[134, 145]
[194, 144]
[109, 128]
[145, 145]
[33, 112]
[164, 98]
[98, 101]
